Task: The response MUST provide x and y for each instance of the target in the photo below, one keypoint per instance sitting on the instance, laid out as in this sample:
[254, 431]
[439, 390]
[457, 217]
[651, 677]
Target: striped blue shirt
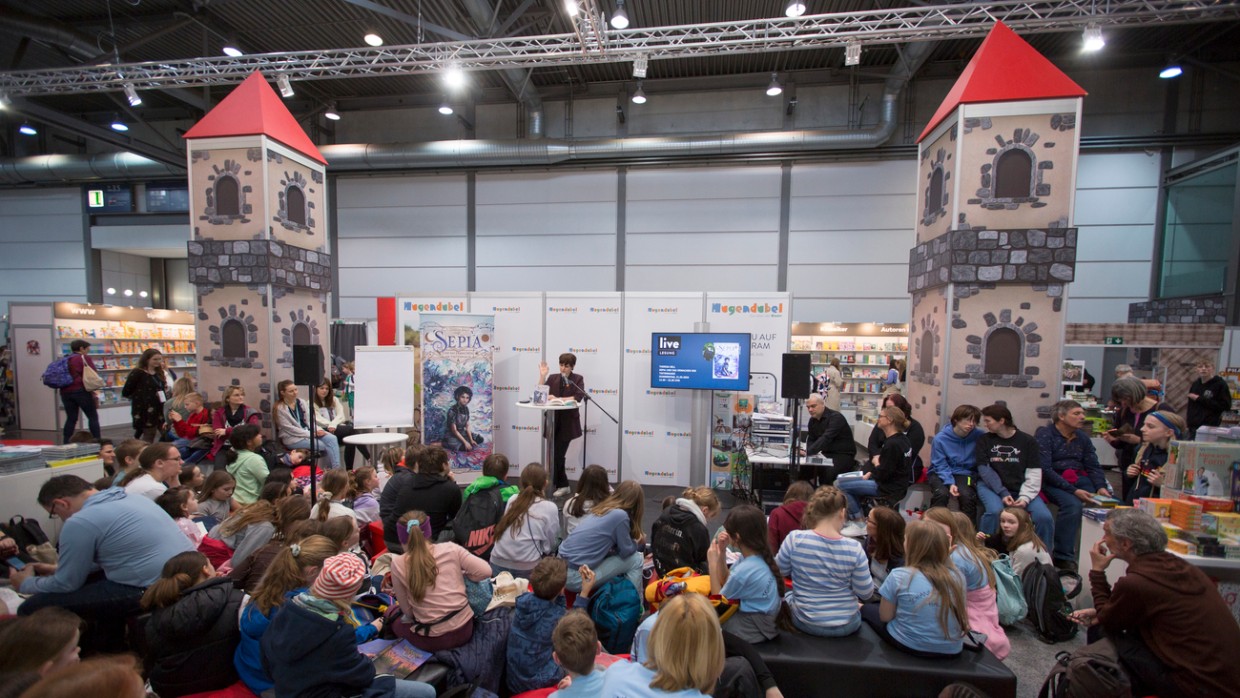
[828, 575]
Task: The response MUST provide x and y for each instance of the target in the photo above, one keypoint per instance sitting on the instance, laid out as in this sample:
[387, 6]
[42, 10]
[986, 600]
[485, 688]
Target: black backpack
[26, 533]
[1048, 604]
[474, 525]
[1092, 671]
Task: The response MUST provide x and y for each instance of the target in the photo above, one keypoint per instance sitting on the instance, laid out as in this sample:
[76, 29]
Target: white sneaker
[562, 492]
[853, 529]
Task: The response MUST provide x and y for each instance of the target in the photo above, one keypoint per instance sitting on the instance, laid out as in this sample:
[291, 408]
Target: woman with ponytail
[192, 634]
[923, 610]
[679, 537]
[290, 527]
[755, 581]
[291, 572]
[428, 581]
[529, 530]
[248, 530]
[830, 572]
[334, 489]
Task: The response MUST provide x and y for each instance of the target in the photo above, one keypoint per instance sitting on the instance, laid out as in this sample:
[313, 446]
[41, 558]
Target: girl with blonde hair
[428, 581]
[1144, 477]
[334, 489]
[684, 654]
[972, 559]
[922, 610]
[614, 524]
[680, 537]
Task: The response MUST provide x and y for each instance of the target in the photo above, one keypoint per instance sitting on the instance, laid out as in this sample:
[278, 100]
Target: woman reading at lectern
[564, 384]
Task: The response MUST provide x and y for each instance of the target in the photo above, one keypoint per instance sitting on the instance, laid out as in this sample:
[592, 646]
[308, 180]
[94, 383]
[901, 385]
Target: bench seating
[863, 665]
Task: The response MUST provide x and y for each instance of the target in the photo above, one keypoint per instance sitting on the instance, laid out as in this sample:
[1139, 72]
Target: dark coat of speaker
[307, 364]
[796, 381]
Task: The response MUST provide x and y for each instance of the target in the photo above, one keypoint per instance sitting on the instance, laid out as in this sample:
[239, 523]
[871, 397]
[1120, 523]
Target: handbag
[1009, 592]
[685, 579]
[90, 379]
[29, 536]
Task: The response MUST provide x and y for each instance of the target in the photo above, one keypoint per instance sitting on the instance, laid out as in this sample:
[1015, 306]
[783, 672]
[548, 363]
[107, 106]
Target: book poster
[730, 419]
[408, 323]
[457, 388]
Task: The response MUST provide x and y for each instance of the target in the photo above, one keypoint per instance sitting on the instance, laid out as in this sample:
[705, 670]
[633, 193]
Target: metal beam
[873, 27]
[97, 133]
[410, 20]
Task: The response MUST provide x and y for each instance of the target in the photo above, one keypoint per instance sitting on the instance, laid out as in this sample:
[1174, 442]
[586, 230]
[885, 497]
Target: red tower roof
[1005, 69]
[254, 109]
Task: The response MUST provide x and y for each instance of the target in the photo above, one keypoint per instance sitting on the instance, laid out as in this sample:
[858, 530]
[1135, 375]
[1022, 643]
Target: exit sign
[95, 198]
[1113, 340]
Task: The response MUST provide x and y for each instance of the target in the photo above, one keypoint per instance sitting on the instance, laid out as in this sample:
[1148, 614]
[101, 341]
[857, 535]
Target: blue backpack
[57, 375]
[616, 610]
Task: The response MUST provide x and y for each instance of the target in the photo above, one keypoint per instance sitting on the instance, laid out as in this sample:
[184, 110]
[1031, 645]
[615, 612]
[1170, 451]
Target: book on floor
[395, 657]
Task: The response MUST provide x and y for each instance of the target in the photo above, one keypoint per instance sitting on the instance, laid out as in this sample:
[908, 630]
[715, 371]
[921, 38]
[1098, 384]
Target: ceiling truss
[601, 45]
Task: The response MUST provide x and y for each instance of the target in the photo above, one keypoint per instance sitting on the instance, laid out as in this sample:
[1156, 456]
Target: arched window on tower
[1014, 174]
[934, 197]
[295, 199]
[1003, 352]
[232, 339]
[925, 357]
[301, 333]
[227, 196]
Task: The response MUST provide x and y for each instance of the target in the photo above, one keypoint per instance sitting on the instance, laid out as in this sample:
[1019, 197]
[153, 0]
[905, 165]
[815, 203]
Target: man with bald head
[829, 435]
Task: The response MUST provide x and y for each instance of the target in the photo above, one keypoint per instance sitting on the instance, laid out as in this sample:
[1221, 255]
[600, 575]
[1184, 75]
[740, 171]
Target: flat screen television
[699, 360]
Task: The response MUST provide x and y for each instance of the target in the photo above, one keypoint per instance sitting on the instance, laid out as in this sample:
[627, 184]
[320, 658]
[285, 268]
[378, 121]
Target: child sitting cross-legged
[535, 618]
[310, 646]
[576, 644]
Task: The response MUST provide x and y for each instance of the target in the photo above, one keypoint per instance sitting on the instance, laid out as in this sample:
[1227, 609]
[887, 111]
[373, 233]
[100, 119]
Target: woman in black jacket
[146, 388]
[192, 632]
[430, 488]
[916, 435]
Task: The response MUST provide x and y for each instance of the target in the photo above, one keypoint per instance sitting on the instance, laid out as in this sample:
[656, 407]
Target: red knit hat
[340, 577]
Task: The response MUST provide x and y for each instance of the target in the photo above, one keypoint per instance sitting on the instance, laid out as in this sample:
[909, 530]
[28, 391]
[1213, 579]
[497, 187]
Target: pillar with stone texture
[996, 246]
[258, 253]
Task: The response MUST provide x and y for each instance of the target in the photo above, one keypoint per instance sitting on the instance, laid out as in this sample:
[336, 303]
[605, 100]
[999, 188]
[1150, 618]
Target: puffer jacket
[311, 656]
[191, 643]
[529, 643]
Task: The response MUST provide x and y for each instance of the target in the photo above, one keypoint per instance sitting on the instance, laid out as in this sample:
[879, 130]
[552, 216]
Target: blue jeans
[79, 400]
[326, 443]
[1067, 523]
[413, 689]
[1043, 522]
[609, 568]
[854, 488]
[848, 628]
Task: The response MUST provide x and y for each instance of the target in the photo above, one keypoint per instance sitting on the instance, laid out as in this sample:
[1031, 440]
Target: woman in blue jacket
[953, 461]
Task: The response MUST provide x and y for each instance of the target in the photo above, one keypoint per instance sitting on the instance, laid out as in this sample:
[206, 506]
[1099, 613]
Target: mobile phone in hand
[15, 563]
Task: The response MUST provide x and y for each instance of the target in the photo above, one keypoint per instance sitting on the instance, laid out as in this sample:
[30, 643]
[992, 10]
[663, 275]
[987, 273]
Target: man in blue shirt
[1071, 476]
[112, 546]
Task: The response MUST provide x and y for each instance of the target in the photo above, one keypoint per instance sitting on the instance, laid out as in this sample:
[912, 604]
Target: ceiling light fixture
[331, 112]
[1092, 39]
[1171, 71]
[639, 95]
[795, 8]
[135, 99]
[128, 292]
[143, 294]
[286, 86]
[640, 64]
[852, 53]
[373, 39]
[620, 20]
[5, 102]
[28, 130]
[446, 109]
[118, 125]
[232, 50]
[570, 6]
[454, 77]
[774, 89]
[111, 291]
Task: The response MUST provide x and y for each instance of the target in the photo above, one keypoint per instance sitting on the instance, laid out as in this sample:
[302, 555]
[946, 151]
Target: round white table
[375, 440]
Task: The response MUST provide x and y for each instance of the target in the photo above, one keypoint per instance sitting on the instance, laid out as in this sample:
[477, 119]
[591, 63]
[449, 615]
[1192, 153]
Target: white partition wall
[658, 428]
[767, 317]
[546, 231]
[590, 325]
[405, 233]
[518, 349]
[694, 228]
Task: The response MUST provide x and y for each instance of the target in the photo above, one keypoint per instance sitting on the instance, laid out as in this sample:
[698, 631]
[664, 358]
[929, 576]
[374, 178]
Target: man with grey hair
[1172, 630]
[1071, 476]
[828, 433]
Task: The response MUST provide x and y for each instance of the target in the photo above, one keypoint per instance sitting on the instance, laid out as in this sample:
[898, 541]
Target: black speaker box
[308, 364]
[796, 381]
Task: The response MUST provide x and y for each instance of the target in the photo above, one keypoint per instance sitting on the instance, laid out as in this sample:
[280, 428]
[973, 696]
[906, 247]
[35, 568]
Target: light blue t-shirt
[974, 575]
[641, 637]
[629, 680]
[751, 582]
[916, 624]
[582, 687]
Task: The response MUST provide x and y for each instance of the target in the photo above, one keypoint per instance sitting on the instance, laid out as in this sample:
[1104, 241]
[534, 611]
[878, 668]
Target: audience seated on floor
[884, 543]
[608, 540]
[529, 529]
[537, 612]
[680, 537]
[973, 562]
[789, 515]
